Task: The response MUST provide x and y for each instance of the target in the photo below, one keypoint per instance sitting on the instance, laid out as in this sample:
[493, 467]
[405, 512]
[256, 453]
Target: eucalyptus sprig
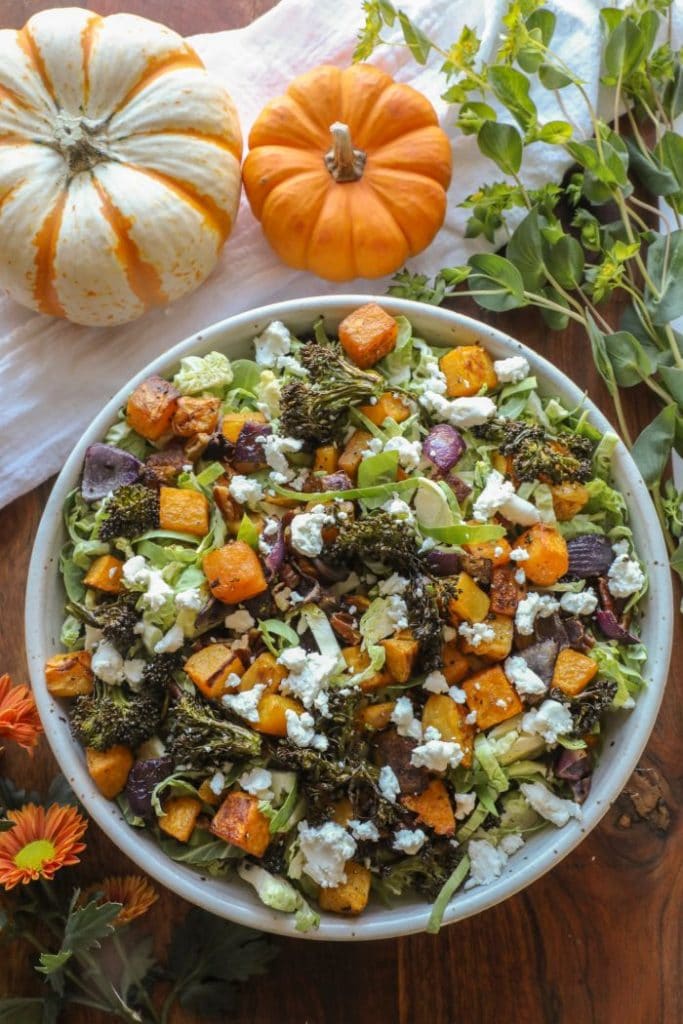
[570, 253]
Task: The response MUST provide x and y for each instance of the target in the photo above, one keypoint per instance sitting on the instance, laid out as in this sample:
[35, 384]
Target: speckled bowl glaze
[626, 735]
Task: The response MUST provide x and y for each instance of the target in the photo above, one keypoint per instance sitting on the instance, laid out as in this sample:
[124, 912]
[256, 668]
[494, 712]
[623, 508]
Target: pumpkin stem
[74, 139]
[343, 161]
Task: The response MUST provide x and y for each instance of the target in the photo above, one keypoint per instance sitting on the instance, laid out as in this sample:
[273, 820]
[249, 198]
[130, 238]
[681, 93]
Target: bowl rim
[214, 895]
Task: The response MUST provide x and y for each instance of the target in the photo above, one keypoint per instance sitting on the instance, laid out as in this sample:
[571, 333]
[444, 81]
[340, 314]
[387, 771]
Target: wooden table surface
[597, 941]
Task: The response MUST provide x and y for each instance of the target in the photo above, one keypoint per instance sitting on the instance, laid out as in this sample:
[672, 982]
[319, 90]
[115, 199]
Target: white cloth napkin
[56, 375]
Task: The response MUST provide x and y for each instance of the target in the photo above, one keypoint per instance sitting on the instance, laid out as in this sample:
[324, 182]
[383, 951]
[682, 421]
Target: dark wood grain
[599, 940]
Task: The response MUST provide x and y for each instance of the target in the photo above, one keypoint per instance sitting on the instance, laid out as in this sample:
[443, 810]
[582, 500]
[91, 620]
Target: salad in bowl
[346, 619]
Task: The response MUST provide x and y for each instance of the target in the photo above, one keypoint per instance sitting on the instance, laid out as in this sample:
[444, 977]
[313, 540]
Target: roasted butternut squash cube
[342, 812]
[573, 671]
[239, 821]
[568, 499]
[109, 769]
[467, 369]
[325, 459]
[491, 695]
[387, 407]
[455, 664]
[183, 510]
[180, 817]
[368, 334]
[506, 592]
[442, 713]
[211, 668]
[207, 794]
[151, 407]
[470, 601]
[401, 651]
[234, 573]
[352, 456]
[272, 713]
[195, 415]
[497, 551]
[376, 716]
[105, 574]
[357, 660]
[69, 675]
[548, 557]
[351, 897]
[263, 671]
[433, 807]
[234, 421]
[497, 647]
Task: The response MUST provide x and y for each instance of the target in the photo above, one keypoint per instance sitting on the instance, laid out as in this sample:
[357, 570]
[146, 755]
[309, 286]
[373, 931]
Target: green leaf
[461, 533]
[416, 40]
[501, 143]
[51, 962]
[624, 49]
[248, 533]
[511, 87]
[665, 267]
[658, 180]
[552, 77]
[630, 361]
[555, 133]
[441, 902]
[600, 355]
[472, 115]
[653, 445]
[673, 94]
[29, 1011]
[499, 278]
[526, 251]
[672, 376]
[378, 469]
[565, 261]
[87, 925]
[670, 152]
[276, 627]
[555, 319]
[541, 25]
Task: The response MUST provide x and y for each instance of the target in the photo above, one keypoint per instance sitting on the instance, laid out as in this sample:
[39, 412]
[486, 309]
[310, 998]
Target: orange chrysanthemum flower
[41, 842]
[133, 891]
[19, 719]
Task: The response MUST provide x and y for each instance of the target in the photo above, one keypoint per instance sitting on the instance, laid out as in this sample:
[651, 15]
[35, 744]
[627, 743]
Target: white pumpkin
[119, 166]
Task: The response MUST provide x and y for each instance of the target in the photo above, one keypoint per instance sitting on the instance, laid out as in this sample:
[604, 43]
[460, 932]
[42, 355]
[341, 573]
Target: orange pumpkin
[348, 172]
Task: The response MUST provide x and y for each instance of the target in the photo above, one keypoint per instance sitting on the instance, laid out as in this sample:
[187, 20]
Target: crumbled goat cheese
[476, 633]
[511, 843]
[471, 719]
[150, 634]
[437, 755]
[464, 805]
[171, 641]
[409, 452]
[325, 850]
[435, 682]
[498, 495]
[189, 600]
[448, 633]
[245, 490]
[459, 412]
[217, 783]
[583, 603]
[275, 450]
[395, 584]
[404, 719]
[257, 782]
[107, 663]
[306, 531]
[373, 447]
[398, 508]
[240, 621]
[388, 783]
[624, 576]
[92, 637]
[309, 674]
[133, 671]
[486, 862]
[550, 720]
[409, 841]
[519, 555]
[511, 370]
[363, 831]
[245, 704]
[301, 730]
[275, 341]
[156, 591]
[520, 577]
[397, 613]
[458, 695]
[530, 608]
[524, 680]
[551, 807]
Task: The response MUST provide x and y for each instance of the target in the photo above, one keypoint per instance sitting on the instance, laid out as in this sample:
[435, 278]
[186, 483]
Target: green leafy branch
[566, 257]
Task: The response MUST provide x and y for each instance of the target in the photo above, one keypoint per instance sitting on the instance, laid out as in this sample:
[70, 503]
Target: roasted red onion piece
[442, 563]
[609, 624]
[443, 446]
[143, 777]
[248, 447]
[576, 768]
[275, 555]
[338, 481]
[105, 469]
[541, 658]
[590, 554]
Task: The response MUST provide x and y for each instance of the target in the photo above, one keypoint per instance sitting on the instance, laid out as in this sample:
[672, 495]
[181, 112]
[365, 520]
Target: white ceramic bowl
[627, 733]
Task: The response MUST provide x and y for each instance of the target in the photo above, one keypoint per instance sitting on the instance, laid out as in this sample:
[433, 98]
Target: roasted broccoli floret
[537, 454]
[118, 620]
[111, 715]
[315, 408]
[587, 707]
[199, 737]
[426, 872]
[377, 537]
[158, 673]
[130, 511]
